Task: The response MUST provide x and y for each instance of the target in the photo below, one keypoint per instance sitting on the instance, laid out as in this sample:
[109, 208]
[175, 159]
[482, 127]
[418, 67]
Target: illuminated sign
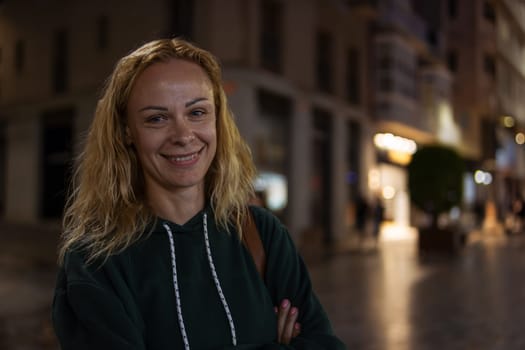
[398, 149]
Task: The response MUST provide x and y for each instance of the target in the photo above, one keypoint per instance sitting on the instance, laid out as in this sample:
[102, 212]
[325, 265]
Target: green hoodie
[129, 302]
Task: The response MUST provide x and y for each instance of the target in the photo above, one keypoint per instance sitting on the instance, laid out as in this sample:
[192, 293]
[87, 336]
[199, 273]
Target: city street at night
[385, 299]
[352, 122]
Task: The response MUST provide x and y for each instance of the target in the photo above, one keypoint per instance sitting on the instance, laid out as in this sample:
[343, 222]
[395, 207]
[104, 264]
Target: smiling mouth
[184, 159]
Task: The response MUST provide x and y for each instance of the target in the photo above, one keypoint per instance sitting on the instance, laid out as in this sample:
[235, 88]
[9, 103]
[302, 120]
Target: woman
[152, 254]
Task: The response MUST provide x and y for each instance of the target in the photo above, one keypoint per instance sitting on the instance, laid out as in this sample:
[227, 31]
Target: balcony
[392, 13]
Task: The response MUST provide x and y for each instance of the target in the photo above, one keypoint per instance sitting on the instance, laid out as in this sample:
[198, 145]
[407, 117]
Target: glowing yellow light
[508, 121]
[520, 138]
[478, 176]
[391, 231]
[399, 157]
[389, 192]
[448, 131]
[482, 177]
[374, 179]
[392, 142]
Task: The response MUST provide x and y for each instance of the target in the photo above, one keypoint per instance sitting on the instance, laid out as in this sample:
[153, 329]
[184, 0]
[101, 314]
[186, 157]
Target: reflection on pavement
[391, 298]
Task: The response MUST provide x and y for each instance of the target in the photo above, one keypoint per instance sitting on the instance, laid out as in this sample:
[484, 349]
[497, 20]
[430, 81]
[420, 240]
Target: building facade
[510, 106]
[410, 98]
[471, 57]
[296, 82]
[333, 96]
[485, 45]
[54, 62]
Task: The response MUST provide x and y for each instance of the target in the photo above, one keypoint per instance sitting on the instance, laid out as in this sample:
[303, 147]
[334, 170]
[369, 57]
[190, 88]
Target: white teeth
[185, 158]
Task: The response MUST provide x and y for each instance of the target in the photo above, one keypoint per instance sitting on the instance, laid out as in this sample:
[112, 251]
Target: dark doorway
[56, 157]
[272, 149]
[181, 19]
[3, 166]
[353, 156]
[321, 182]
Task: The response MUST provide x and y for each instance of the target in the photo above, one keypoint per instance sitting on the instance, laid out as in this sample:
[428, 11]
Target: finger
[282, 315]
[289, 326]
[296, 330]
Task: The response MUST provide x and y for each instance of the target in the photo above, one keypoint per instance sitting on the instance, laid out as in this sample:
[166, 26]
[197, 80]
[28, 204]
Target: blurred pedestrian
[378, 215]
[479, 212]
[361, 217]
[151, 254]
[517, 216]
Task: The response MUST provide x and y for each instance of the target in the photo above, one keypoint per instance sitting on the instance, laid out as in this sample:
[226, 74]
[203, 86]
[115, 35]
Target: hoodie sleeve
[287, 277]
[89, 313]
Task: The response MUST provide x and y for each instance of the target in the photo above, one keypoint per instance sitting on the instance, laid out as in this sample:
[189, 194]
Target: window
[386, 84]
[489, 141]
[102, 33]
[452, 8]
[488, 12]
[324, 62]
[386, 62]
[270, 103]
[271, 30]
[432, 37]
[489, 65]
[182, 15]
[452, 61]
[60, 61]
[353, 91]
[272, 146]
[20, 56]
[321, 185]
[353, 155]
[56, 154]
[3, 165]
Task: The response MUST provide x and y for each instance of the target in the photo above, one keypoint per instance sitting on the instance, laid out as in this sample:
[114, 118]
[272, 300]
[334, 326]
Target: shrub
[435, 179]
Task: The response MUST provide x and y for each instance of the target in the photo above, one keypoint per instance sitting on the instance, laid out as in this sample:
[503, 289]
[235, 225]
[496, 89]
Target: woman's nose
[181, 132]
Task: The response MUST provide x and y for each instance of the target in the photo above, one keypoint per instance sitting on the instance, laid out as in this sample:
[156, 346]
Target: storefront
[272, 151]
[388, 180]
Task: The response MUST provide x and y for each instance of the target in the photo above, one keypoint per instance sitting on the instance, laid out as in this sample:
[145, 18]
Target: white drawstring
[215, 279]
[218, 283]
[176, 287]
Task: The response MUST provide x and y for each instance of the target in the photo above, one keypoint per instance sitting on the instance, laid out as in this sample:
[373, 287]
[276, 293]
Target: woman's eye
[155, 119]
[197, 113]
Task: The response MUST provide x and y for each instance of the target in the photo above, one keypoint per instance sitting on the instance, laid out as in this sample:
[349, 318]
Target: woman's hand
[287, 327]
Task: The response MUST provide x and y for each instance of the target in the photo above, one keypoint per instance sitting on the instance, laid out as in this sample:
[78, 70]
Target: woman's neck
[178, 207]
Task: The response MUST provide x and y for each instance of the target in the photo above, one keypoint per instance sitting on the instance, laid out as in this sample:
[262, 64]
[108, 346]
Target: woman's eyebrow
[192, 102]
[156, 108]
[160, 108]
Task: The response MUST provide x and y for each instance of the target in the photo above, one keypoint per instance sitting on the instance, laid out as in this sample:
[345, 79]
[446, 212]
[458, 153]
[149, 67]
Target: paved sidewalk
[389, 298]
[27, 275]
[394, 299]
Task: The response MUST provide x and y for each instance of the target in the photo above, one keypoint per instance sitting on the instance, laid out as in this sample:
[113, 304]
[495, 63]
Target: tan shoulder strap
[252, 241]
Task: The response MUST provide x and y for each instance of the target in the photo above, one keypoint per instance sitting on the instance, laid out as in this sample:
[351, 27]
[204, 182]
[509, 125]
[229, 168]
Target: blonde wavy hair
[106, 209]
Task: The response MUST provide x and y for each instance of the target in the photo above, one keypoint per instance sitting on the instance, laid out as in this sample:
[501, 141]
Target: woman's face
[171, 123]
